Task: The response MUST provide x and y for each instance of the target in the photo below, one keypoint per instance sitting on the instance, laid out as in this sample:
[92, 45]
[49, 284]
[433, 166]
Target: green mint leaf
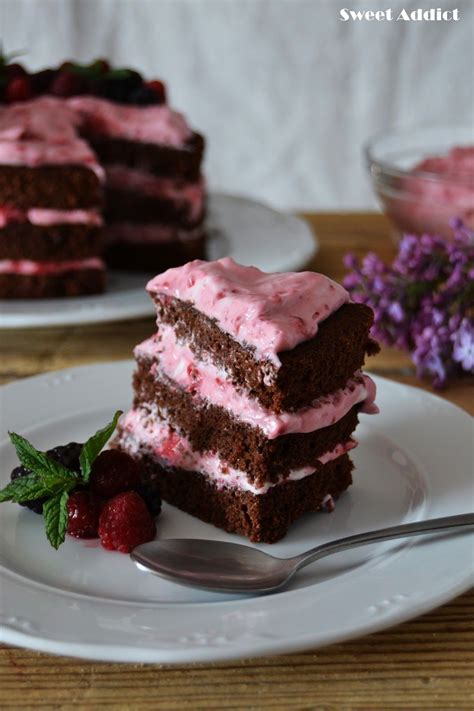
[94, 445]
[39, 462]
[56, 518]
[117, 74]
[23, 489]
[30, 487]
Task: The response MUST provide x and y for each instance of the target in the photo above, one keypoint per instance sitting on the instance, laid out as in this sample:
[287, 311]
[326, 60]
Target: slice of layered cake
[154, 192]
[247, 396]
[50, 204]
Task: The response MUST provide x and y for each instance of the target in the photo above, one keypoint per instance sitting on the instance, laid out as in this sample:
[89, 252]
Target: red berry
[101, 66]
[15, 70]
[158, 88]
[83, 510]
[125, 522]
[114, 472]
[18, 89]
[67, 84]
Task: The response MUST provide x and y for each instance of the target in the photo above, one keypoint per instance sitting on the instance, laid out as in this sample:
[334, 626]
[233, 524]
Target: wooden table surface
[424, 664]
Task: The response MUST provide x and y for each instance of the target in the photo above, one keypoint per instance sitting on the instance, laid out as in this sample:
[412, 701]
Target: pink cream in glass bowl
[424, 177]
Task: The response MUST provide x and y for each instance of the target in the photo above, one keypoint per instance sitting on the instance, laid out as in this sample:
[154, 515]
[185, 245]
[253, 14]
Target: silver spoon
[234, 568]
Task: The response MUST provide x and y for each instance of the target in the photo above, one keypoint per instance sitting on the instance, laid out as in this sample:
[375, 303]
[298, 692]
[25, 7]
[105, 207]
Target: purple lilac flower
[424, 301]
[463, 345]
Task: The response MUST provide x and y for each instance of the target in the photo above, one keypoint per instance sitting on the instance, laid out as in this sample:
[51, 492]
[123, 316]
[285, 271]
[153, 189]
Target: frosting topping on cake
[43, 119]
[150, 124]
[42, 132]
[268, 312]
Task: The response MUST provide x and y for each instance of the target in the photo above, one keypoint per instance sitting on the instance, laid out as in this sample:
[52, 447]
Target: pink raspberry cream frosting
[268, 312]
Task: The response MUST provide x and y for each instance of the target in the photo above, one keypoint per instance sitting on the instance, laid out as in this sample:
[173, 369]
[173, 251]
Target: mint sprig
[56, 517]
[51, 480]
[94, 445]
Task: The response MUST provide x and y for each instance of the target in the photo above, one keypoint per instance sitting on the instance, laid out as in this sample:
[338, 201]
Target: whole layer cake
[246, 398]
[116, 175]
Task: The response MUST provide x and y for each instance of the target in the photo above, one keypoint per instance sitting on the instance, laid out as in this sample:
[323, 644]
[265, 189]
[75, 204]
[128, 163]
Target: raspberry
[100, 66]
[114, 472]
[125, 522]
[14, 70]
[18, 89]
[159, 90]
[67, 83]
[83, 510]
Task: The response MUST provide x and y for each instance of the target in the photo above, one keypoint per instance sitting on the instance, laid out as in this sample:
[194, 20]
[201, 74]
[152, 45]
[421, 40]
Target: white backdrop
[285, 92]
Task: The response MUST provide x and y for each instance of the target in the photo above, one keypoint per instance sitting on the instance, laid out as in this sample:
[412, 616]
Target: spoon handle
[385, 534]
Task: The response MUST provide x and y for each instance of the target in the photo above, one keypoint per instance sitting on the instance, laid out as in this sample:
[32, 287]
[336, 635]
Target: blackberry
[41, 81]
[143, 96]
[151, 495]
[119, 88]
[65, 454]
[35, 505]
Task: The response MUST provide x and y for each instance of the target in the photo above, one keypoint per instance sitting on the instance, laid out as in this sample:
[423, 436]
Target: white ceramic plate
[413, 462]
[251, 233]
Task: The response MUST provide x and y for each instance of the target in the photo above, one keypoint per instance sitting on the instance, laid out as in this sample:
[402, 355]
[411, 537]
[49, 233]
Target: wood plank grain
[427, 663]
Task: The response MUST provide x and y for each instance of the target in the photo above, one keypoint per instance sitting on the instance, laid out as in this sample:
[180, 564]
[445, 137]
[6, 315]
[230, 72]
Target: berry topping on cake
[15, 70]
[18, 89]
[68, 83]
[83, 510]
[125, 522]
[41, 81]
[98, 78]
[114, 472]
[159, 90]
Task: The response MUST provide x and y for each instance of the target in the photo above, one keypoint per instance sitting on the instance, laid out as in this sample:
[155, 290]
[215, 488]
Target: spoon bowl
[206, 564]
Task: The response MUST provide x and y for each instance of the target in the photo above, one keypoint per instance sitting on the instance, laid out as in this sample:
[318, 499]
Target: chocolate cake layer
[131, 206]
[154, 257]
[262, 518]
[246, 448]
[52, 243]
[64, 187]
[77, 282]
[157, 159]
[316, 367]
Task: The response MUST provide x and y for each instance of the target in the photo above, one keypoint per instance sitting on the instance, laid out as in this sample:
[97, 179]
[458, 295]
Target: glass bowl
[424, 177]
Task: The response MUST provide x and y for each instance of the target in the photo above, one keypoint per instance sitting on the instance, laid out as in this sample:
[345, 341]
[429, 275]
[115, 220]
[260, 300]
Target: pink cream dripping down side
[25, 267]
[203, 380]
[47, 217]
[143, 433]
[268, 312]
[147, 124]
